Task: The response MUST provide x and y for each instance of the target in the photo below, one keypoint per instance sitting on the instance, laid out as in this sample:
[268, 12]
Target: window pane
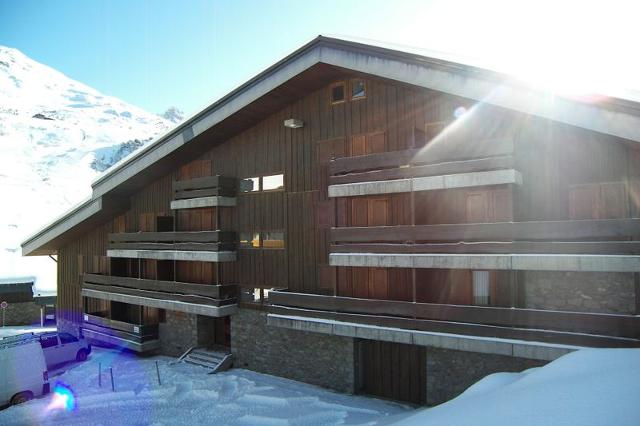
[273, 240]
[337, 93]
[481, 287]
[250, 239]
[357, 89]
[250, 184]
[272, 182]
[48, 341]
[67, 338]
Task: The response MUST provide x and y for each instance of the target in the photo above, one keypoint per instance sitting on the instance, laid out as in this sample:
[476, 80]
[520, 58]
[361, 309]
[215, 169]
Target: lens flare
[63, 398]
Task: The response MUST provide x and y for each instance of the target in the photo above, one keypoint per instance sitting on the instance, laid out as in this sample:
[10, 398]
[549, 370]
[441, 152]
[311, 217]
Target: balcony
[210, 191]
[412, 170]
[611, 245]
[454, 326]
[136, 337]
[206, 246]
[202, 299]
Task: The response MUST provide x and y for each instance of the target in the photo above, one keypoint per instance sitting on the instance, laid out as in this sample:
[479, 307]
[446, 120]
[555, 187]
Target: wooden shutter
[583, 201]
[359, 212]
[358, 145]
[378, 283]
[607, 200]
[378, 211]
[476, 207]
[376, 143]
[612, 203]
[500, 206]
[360, 282]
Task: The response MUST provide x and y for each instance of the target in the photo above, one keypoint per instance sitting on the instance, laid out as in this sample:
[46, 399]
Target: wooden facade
[574, 192]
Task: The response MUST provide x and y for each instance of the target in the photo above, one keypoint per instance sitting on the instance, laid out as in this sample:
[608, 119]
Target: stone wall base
[601, 292]
[178, 333]
[322, 360]
[25, 313]
[450, 372]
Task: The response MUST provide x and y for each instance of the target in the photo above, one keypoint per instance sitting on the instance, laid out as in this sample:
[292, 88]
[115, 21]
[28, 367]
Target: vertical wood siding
[551, 156]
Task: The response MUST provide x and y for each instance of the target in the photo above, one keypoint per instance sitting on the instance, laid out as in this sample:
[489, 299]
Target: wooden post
[158, 372]
[113, 386]
[41, 316]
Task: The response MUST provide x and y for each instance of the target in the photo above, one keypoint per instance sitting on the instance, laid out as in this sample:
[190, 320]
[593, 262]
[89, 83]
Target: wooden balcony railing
[189, 241]
[611, 236]
[209, 186]
[138, 333]
[200, 294]
[584, 329]
[413, 163]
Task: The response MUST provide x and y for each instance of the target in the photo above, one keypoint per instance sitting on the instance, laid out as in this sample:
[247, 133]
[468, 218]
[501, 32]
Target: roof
[310, 67]
[17, 280]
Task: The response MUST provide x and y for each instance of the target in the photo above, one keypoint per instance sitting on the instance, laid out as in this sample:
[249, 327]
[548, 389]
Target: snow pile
[52, 129]
[189, 396]
[590, 387]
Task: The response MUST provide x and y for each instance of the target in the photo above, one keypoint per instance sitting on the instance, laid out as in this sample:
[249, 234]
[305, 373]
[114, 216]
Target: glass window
[270, 183]
[250, 239]
[337, 93]
[358, 89]
[481, 287]
[67, 338]
[273, 240]
[48, 341]
[250, 184]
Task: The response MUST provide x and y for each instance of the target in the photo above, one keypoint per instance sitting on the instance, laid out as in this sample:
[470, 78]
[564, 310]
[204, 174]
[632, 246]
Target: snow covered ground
[590, 387]
[189, 396]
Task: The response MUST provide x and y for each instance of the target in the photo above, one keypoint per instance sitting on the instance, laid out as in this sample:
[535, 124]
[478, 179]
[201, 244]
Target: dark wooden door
[392, 370]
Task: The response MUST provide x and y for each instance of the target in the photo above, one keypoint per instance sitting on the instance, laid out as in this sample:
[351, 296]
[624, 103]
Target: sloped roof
[313, 65]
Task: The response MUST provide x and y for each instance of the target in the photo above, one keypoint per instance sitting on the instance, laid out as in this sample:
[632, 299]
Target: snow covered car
[63, 347]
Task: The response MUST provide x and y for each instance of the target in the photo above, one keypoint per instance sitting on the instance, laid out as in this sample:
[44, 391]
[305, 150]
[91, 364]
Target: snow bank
[590, 387]
[189, 396]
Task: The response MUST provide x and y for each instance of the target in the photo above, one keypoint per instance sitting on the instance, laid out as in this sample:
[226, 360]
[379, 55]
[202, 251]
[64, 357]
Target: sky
[161, 53]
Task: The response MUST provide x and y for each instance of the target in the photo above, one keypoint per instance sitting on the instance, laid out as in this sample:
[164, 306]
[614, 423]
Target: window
[358, 89]
[481, 287]
[249, 240]
[273, 182]
[48, 341]
[337, 93]
[262, 183]
[273, 239]
[251, 184]
[67, 338]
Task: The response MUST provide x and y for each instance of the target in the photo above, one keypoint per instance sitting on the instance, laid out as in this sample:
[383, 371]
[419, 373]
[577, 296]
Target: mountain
[173, 115]
[56, 135]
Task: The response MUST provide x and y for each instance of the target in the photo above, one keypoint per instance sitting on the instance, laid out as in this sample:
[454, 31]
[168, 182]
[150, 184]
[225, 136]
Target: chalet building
[367, 220]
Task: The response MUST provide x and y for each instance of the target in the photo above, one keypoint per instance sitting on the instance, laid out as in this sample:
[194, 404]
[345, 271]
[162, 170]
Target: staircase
[216, 360]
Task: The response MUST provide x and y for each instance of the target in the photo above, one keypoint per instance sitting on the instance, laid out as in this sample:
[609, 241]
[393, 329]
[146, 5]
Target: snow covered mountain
[56, 135]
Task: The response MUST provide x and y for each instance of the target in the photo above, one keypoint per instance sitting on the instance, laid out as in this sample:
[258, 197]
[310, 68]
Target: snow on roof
[17, 280]
[588, 387]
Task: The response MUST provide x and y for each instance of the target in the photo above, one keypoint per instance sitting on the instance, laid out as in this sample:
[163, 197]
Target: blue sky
[161, 53]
